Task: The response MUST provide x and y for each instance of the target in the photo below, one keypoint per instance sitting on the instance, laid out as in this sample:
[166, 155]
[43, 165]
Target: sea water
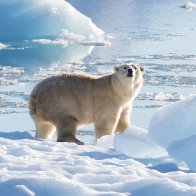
[159, 35]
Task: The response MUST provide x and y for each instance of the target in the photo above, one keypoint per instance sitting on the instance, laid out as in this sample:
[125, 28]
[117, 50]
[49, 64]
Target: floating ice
[161, 96]
[49, 41]
[169, 96]
[2, 46]
[44, 19]
[10, 75]
[189, 5]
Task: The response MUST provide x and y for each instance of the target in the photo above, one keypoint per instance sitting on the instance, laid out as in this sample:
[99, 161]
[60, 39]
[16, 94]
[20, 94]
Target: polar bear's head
[131, 72]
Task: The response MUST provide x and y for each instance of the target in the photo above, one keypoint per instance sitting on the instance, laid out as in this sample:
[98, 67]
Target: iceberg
[43, 33]
[32, 19]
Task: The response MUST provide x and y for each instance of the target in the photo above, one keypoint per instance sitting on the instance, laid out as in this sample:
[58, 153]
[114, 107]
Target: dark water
[159, 35]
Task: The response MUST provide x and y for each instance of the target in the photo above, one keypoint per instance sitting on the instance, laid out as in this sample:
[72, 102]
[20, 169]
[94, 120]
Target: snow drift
[174, 122]
[134, 142]
[174, 127]
[32, 19]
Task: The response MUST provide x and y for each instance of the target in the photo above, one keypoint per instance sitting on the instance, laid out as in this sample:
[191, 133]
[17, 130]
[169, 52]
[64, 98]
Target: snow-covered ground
[135, 165]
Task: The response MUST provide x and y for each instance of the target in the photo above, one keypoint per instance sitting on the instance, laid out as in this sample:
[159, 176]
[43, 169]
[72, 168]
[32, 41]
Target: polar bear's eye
[134, 67]
[125, 67]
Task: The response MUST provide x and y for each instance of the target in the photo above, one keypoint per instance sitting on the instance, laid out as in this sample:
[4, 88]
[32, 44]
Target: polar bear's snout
[130, 73]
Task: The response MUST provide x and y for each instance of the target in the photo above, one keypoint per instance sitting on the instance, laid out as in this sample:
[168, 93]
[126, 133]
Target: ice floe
[189, 5]
[2, 46]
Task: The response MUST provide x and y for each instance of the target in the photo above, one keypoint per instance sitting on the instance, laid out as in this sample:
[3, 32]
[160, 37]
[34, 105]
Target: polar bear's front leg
[106, 124]
[124, 120]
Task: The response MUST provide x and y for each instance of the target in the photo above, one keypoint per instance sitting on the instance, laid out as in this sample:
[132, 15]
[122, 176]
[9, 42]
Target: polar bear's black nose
[130, 73]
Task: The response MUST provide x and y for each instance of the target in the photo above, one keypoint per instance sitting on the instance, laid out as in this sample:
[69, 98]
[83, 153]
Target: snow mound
[134, 142]
[38, 167]
[45, 19]
[174, 127]
[189, 5]
[174, 122]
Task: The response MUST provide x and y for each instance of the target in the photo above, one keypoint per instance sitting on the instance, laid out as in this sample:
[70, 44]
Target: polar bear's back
[66, 93]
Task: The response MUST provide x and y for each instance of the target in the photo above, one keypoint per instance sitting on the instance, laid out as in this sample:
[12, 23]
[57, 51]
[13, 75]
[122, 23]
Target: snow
[33, 19]
[177, 120]
[38, 167]
[174, 127]
[121, 164]
[183, 150]
[133, 142]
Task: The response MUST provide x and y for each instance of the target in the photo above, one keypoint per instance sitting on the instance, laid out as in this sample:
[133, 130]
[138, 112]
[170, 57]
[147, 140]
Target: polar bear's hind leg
[66, 129]
[44, 129]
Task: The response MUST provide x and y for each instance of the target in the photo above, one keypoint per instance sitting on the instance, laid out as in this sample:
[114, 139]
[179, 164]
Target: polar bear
[68, 101]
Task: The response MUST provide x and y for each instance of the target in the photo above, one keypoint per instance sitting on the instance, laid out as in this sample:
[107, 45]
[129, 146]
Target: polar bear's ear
[142, 69]
[116, 69]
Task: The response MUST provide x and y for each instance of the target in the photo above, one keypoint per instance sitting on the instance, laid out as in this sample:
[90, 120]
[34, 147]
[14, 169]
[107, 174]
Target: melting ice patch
[45, 19]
